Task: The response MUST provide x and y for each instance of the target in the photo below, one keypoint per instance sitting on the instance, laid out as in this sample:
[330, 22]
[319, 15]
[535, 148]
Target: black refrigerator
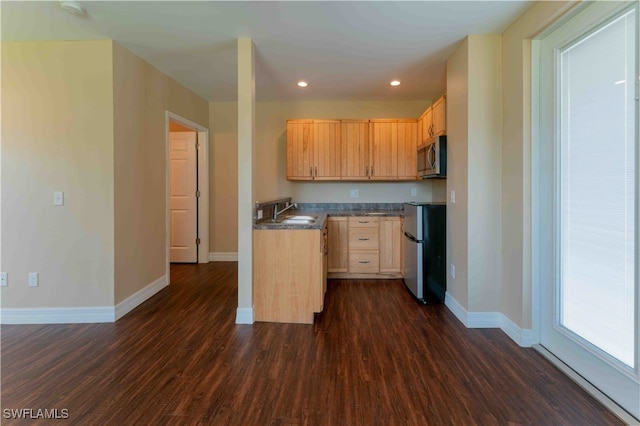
[425, 249]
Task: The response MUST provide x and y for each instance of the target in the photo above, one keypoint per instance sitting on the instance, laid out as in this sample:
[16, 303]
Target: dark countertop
[323, 214]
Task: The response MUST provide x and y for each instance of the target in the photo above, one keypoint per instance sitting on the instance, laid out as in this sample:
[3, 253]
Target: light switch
[355, 193]
[58, 198]
[414, 192]
[453, 197]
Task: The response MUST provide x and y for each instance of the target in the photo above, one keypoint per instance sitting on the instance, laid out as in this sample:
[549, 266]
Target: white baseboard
[137, 298]
[223, 257]
[244, 316]
[57, 315]
[523, 337]
[81, 315]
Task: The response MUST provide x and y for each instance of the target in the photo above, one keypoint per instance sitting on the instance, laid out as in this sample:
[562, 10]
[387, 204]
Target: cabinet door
[428, 124]
[390, 244]
[326, 149]
[300, 149]
[440, 117]
[338, 256]
[383, 149]
[422, 128]
[324, 251]
[407, 146]
[355, 149]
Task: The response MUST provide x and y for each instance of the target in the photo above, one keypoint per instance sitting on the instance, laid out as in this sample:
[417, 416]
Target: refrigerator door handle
[411, 237]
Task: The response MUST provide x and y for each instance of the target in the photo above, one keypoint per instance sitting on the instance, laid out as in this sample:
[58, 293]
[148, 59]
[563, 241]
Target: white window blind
[598, 188]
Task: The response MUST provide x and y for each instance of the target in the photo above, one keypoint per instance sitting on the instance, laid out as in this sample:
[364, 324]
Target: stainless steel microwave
[432, 158]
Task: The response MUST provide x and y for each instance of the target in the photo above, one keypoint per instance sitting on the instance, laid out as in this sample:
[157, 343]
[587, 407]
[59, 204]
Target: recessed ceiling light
[395, 83]
[72, 7]
[302, 84]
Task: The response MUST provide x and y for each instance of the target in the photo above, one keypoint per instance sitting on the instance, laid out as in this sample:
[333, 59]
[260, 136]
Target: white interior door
[588, 198]
[183, 202]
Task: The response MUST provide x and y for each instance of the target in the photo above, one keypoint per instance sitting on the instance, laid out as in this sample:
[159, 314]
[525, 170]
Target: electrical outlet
[414, 192]
[259, 214]
[453, 197]
[4, 279]
[452, 267]
[33, 279]
[355, 193]
[58, 198]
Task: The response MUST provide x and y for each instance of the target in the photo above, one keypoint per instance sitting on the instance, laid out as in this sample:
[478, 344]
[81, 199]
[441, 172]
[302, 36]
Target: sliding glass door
[589, 198]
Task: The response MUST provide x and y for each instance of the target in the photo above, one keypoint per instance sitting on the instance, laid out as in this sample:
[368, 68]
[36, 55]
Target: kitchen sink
[300, 217]
[295, 219]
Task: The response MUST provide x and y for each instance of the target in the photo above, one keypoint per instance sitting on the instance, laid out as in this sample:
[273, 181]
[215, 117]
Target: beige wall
[270, 161]
[474, 114]
[223, 177]
[516, 297]
[57, 135]
[457, 166]
[484, 170]
[141, 95]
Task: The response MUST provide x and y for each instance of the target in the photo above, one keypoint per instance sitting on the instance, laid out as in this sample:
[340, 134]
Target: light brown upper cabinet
[313, 149]
[383, 149]
[326, 149]
[427, 124]
[439, 108]
[383, 164]
[355, 149]
[433, 121]
[300, 149]
[407, 149]
[393, 149]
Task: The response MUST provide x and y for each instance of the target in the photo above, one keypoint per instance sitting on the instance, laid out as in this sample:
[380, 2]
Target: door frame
[203, 187]
[535, 210]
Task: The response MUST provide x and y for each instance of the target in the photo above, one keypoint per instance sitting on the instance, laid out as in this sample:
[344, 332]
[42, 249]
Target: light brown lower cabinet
[364, 253]
[289, 274]
[365, 247]
[391, 245]
[338, 244]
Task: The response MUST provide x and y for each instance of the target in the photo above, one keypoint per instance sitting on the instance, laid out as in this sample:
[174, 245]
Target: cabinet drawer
[363, 222]
[363, 238]
[364, 262]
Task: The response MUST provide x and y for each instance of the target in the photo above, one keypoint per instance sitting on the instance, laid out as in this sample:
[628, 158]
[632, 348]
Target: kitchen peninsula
[295, 253]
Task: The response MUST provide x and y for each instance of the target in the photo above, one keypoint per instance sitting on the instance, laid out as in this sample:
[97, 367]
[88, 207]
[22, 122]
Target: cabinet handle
[363, 261]
[366, 171]
[363, 239]
[371, 170]
[316, 171]
[310, 171]
[363, 221]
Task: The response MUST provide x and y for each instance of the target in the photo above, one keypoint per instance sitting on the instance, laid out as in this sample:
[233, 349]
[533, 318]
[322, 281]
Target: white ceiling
[345, 50]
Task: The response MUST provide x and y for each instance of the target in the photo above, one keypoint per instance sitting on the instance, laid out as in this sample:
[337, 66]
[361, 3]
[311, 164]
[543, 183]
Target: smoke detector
[72, 7]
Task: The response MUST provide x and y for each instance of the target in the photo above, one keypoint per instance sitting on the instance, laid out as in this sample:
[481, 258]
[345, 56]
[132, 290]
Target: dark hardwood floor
[373, 357]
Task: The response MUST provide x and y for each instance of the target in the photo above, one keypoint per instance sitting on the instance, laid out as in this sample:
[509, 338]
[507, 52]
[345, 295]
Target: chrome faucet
[276, 212]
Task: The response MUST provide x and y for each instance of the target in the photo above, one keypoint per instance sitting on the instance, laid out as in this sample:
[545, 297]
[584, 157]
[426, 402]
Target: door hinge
[197, 146]
[197, 194]
[197, 240]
